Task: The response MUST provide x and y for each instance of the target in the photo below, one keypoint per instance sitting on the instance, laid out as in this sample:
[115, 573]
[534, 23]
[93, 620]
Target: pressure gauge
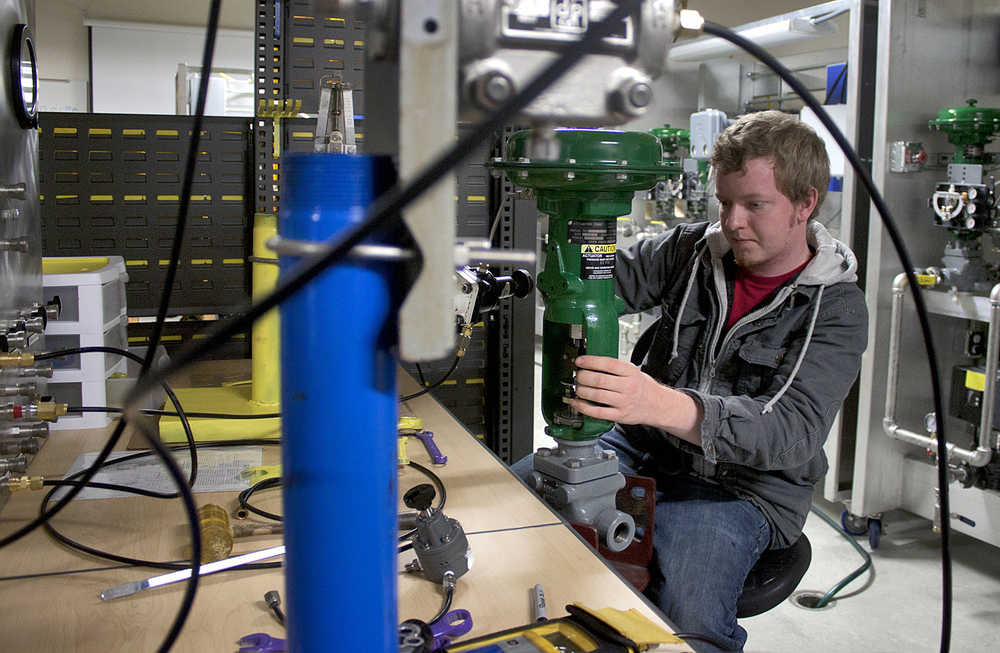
[24, 76]
[930, 422]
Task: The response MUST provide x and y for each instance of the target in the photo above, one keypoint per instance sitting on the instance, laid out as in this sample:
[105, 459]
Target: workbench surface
[517, 542]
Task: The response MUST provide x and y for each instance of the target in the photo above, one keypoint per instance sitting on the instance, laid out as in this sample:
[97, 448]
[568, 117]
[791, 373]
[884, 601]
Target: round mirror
[24, 77]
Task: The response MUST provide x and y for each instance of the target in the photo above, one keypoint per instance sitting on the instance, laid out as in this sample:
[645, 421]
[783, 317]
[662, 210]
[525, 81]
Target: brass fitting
[16, 360]
[464, 338]
[50, 411]
[22, 483]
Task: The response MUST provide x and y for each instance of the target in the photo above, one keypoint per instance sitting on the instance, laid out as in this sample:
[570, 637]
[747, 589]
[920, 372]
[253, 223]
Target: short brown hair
[799, 154]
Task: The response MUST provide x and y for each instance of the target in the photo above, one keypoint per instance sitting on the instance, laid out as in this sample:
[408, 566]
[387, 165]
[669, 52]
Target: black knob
[420, 497]
[522, 282]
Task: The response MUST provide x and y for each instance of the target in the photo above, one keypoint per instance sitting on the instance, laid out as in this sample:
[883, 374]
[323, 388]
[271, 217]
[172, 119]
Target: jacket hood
[832, 261]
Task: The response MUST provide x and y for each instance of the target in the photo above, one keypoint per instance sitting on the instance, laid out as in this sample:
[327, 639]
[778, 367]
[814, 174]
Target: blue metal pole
[339, 417]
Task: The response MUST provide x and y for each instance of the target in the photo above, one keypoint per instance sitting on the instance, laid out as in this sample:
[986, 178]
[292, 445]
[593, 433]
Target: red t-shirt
[751, 289]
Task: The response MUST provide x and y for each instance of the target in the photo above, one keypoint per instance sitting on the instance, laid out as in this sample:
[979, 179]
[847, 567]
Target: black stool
[774, 577]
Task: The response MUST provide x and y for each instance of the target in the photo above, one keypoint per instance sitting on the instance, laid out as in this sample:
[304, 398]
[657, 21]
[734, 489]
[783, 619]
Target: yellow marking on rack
[201, 261]
[135, 198]
[168, 198]
[476, 198]
[305, 17]
[67, 197]
[232, 261]
[359, 136]
[171, 338]
[302, 134]
[339, 21]
[475, 381]
[167, 132]
[452, 382]
[136, 262]
[164, 261]
[201, 198]
[133, 132]
[303, 40]
[975, 381]
[102, 198]
[138, 339]
[359, 44]
[41, 197]
[232, 198]
[335, 43]
[65, 131]
[99, 131]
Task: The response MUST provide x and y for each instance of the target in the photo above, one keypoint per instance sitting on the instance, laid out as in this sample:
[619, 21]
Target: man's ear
[806, 207]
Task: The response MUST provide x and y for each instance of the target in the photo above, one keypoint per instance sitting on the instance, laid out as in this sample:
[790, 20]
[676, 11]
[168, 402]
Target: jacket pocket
[758, 364]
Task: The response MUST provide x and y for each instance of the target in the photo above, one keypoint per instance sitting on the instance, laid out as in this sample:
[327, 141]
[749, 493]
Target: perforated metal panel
[111, 184]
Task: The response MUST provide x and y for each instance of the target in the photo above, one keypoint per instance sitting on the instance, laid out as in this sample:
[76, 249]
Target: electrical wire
[190, 164]
[444, 378]
[918, 300]
[244, 497]
[185, 424]
[389, 205]
[854, 574]
[445, 606]
[170, 413]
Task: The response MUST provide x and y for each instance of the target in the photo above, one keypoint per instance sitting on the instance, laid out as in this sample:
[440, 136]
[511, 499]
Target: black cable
[918, 300]
[169, 565]
[405, 547]
[103, 486]
[188, 433]
[244, 497]
[389, 205]
[185, 200]
[420, 374]
[445, 606]
[170, 413]
[444, 378]
[836, 81]
[699, 637]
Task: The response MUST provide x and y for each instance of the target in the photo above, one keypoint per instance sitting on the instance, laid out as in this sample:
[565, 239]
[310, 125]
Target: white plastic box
[91, 291]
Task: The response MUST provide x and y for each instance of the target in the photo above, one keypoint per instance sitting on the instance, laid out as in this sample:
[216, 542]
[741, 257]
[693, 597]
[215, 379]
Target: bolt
[570, 175]
[640, 95]
[544, 452]
[466, 287]
[608, 454]
[574, 463]
[621, 176]
[497, 88]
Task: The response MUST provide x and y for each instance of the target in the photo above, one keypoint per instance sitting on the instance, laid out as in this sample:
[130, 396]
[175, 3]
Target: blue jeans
[705, 542]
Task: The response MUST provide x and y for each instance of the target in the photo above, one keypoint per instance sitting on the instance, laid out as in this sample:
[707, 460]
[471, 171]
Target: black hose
[918, 299]
[444, 378]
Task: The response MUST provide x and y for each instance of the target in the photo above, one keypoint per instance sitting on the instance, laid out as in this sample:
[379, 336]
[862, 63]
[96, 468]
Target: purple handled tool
[453, 624]
[427, 437]
[261, 643]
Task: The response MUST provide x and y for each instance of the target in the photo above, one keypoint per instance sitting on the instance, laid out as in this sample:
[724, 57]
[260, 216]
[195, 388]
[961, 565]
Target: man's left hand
[628, 394]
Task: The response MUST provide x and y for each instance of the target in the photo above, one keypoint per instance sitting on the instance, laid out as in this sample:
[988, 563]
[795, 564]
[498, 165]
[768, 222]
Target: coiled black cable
[437, 383]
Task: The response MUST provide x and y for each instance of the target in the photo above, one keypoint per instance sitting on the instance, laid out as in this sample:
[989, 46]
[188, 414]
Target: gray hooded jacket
[770, 386]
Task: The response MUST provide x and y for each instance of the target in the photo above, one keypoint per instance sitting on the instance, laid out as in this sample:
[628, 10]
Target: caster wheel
[874, 530]
[854, 524]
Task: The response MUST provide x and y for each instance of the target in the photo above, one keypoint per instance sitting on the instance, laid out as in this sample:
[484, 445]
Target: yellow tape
[975, 381]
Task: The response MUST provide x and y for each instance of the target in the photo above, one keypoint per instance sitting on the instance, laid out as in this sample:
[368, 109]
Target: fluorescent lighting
[778, 30]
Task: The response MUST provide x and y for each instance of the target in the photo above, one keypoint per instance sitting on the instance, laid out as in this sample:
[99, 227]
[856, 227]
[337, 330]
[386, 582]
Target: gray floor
[894, 607]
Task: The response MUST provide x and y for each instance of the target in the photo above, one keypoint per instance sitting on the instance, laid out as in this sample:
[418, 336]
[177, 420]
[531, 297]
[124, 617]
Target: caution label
[597, 249]
[596, 239]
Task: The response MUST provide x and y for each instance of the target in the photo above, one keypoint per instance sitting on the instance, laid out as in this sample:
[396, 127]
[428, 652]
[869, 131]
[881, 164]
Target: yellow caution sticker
[598, 249]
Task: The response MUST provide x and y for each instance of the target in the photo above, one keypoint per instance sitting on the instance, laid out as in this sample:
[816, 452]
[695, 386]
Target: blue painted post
[339, 405]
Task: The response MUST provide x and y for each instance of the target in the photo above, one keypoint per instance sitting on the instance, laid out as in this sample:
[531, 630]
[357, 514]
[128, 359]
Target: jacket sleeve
[736, 429]
[643, 270]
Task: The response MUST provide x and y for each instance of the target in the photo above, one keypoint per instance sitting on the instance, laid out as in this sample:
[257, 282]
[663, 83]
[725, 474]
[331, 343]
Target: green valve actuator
[583, 191]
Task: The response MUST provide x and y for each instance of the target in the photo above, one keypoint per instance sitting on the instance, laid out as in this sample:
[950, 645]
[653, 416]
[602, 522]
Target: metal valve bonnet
[968, 128]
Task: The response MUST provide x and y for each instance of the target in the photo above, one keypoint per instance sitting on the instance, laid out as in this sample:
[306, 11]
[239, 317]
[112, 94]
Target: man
[760, 340]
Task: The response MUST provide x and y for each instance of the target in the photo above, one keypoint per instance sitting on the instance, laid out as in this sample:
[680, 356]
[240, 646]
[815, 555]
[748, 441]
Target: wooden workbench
[517, 542]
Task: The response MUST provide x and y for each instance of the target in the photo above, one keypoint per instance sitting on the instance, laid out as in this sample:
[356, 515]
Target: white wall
[134, 64]
[63, 63]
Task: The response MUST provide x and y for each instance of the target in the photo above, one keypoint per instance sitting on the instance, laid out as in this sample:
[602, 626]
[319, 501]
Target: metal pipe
[981, 455]
[339, 416]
